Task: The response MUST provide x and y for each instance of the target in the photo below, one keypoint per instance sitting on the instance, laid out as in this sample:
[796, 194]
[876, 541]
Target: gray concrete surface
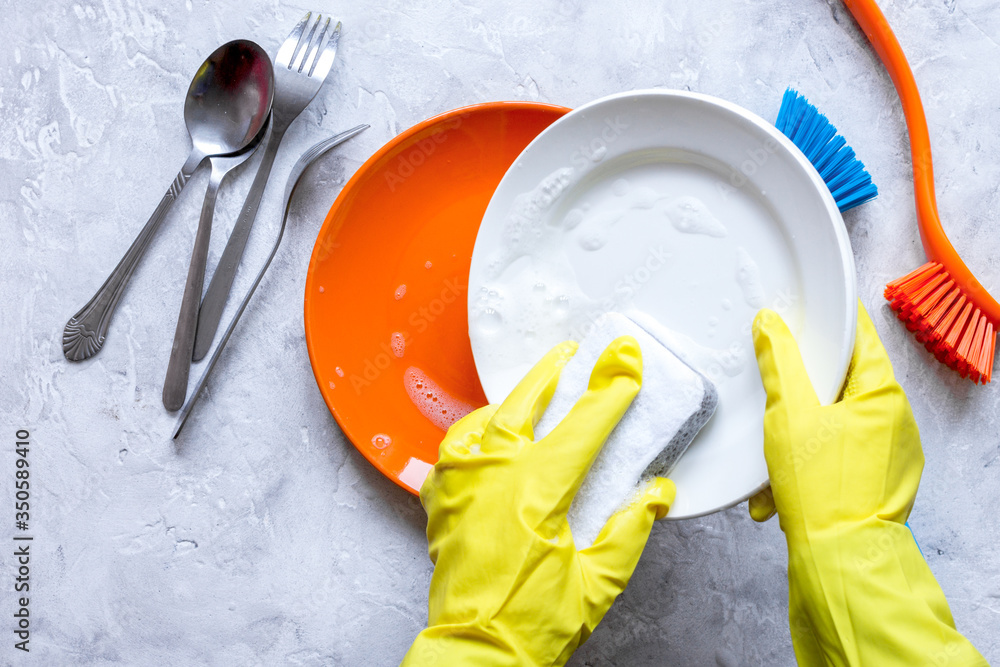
[265, 538]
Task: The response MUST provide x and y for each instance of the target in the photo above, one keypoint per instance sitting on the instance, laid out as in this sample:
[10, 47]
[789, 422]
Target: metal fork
[302, 64]
[300, 167]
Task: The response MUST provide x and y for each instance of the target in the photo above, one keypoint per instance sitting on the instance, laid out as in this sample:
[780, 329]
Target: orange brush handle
[936, 243]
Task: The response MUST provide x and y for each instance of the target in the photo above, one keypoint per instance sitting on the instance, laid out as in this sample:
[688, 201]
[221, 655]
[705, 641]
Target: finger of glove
[465, 433]
[781, 369]
[761, 505]
[870, 366]
[609, 562]
[461, 436]
[514, 422]
[568, 451]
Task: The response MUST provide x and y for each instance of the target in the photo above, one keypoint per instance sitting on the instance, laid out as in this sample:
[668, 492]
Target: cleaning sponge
[675, 401]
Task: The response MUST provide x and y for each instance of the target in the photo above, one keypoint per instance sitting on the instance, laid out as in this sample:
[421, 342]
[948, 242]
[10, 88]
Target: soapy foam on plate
[397, 342]
[748, 277]
[638, 240]
[441, 408]
[673, 404]
[691, 216]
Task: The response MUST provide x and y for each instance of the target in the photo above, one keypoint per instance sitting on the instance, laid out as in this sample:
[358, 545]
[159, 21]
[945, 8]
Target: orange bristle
[917, 297]
[899, 281]
[920, 312]
[977, 343]
[892, 287]
[971, 340]
[914, 313]
[945, 320]
[916, 275]
[976, 351]
[982, 369]
[908, 291]
[942, 329]
[938, 312]
[950, 344]
[991, 348]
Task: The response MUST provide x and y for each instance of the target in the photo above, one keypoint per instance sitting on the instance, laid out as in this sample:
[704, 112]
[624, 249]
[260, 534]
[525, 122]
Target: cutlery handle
[229, 330]
[84, 334]
[222, 280]
[307, 159]
[179, 366]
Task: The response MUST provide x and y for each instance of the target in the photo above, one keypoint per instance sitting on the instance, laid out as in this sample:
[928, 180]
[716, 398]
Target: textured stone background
[265, 538]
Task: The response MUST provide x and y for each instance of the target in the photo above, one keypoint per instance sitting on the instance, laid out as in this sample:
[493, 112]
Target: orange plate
[409, 217]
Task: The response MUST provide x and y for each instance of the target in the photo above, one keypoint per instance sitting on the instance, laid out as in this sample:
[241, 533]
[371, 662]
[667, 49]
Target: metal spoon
[300, 167]
[301, 65]
[225, 108]
[178, 368]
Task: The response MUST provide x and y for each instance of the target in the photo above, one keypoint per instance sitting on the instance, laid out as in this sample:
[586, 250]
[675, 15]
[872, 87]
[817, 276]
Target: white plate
[692, 211]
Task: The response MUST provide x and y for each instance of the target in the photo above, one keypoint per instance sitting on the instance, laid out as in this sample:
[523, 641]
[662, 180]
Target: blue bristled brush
[835, 161]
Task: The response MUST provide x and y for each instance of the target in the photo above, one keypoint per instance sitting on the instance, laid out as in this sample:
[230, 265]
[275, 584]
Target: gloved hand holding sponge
[509, 585]
[511, 588]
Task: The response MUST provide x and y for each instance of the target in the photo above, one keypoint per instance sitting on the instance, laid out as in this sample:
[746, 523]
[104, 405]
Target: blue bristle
[818, 140]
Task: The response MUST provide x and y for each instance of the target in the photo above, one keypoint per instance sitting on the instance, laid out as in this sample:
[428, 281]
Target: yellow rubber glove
[509, 587]
[843, 480]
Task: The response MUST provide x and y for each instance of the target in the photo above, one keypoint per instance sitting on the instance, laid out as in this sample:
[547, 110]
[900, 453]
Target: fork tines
[310, 49]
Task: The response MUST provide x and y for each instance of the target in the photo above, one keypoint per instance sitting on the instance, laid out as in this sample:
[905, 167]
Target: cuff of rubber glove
[462, 645]
[864, 589]
[851, 551]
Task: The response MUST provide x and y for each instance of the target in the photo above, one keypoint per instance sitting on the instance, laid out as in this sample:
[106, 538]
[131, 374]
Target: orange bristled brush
[951, 312]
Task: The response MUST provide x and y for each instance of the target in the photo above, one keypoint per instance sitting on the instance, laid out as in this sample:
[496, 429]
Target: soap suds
[644, 198]
[548, 301]
[398, 344]
[748, 278]
[400, 292]
[434, 403]
[523, 226]
[691, 216]
[532, 297]
[573, 219]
